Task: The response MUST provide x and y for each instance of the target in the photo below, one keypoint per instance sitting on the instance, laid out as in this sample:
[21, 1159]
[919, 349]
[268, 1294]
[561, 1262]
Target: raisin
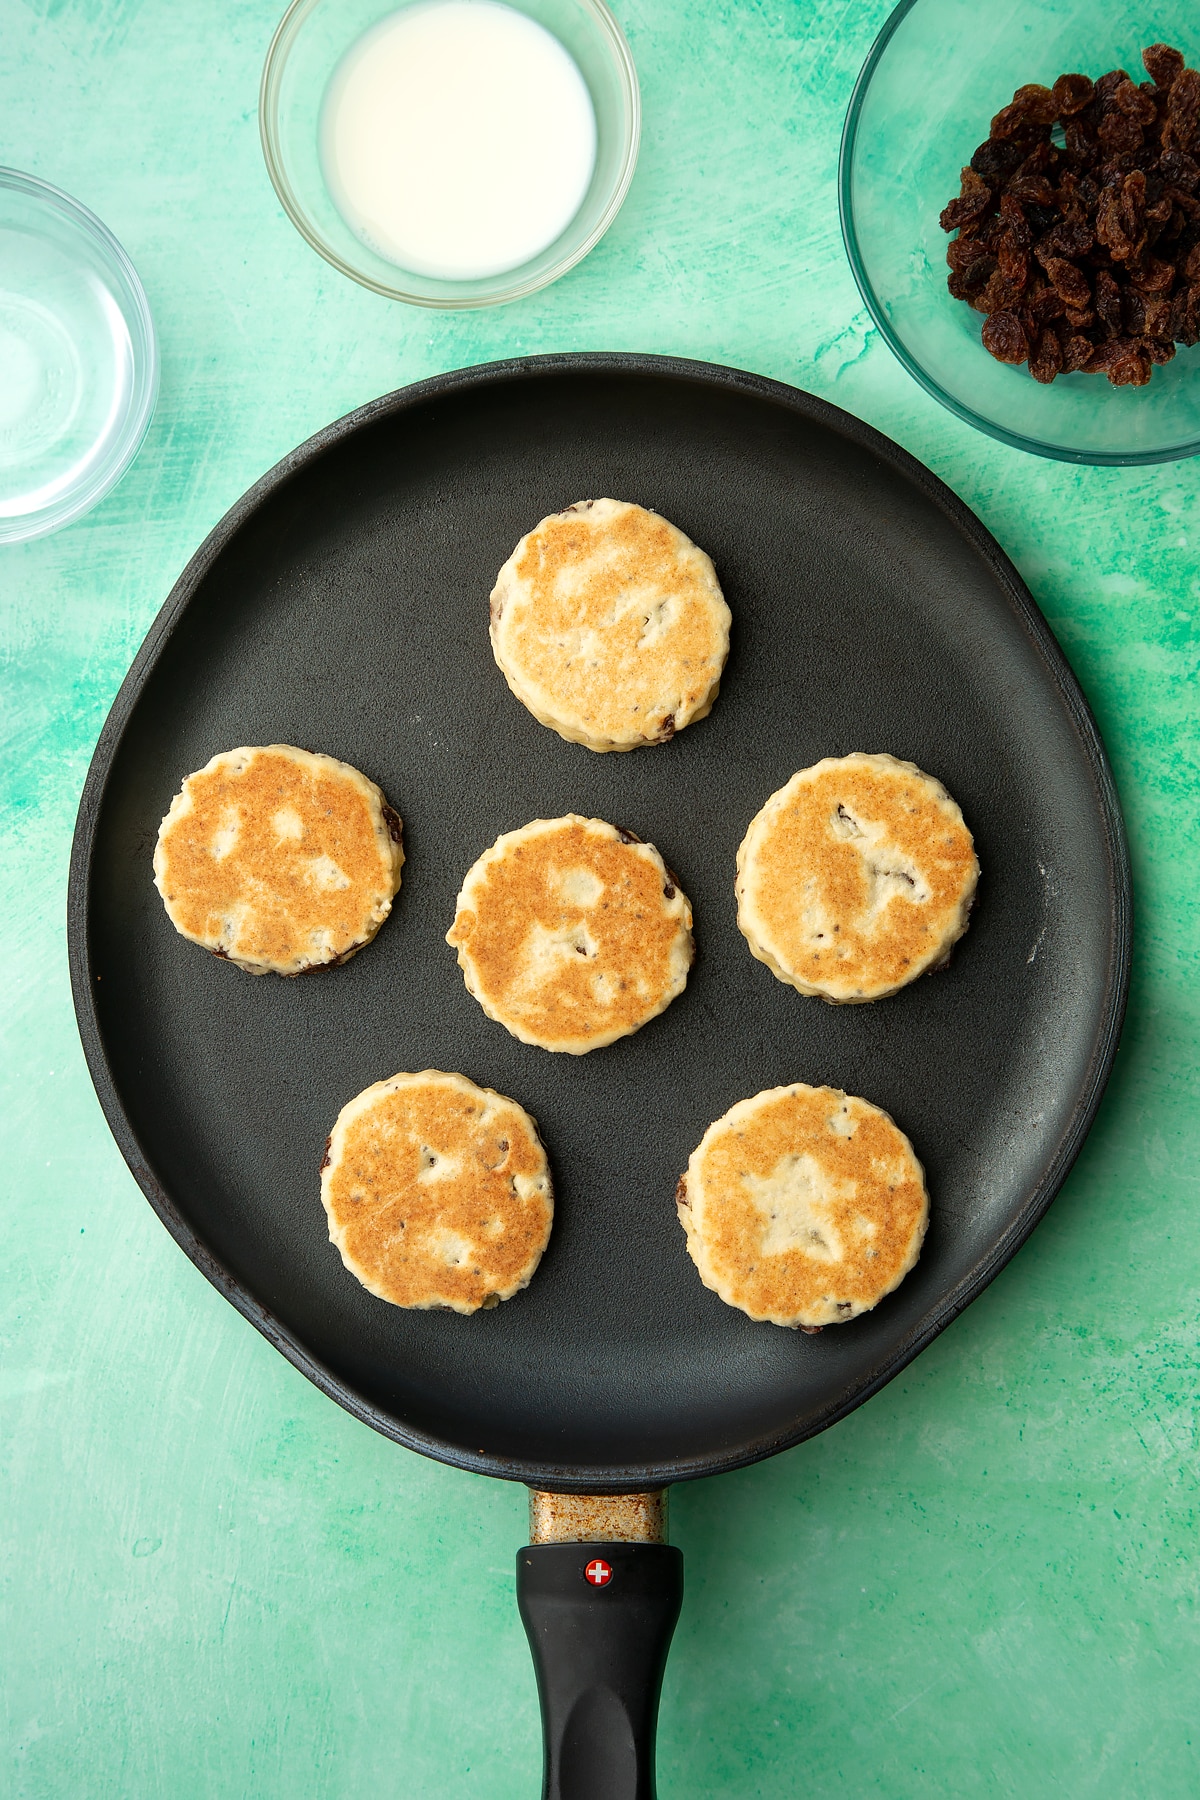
[1071, 94]
[1046, 359]
[1187, 204]
[1180, 170]
[1045, 306]
[1042, 155]
[1010, 120]
[1000, 294]
[1119, 135]
[1121, 218]
[1157, 316]
[1162, 64]
[1158, 349]
[974, 200]
[1077, 353]
[1106, 85]
[962, 253]
[1179, 317]
[1133, 313]
[1106, 356]
[1004, 338]
[1071, 238]
[1131, 370]
[986, 232]
[1183, 110]
[1154, 276]
[1036, 103]
[996, 161]
[1033, 189]
[1015, 223]
[1135, 104]
[1108, 302]
[1070, 283]
[1014, 265]
[1079, 138]
[1040, 219]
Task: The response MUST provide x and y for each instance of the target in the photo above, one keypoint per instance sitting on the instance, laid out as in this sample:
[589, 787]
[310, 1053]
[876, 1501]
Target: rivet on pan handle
[599, 1591]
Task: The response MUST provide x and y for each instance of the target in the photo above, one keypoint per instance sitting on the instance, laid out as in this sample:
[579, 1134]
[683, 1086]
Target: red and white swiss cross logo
[598, 1572]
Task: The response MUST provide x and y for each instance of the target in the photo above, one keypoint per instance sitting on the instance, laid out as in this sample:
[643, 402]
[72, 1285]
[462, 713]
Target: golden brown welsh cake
[571, 933]
[437, 1192]
[803, 1206]
[610, 626]
[855, 878]
[278, 860]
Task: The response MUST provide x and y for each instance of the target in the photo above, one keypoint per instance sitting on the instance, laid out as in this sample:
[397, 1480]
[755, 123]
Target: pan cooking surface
[342, 606]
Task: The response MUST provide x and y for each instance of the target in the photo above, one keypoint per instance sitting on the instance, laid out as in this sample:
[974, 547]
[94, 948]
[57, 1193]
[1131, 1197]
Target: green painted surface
[215, 1584]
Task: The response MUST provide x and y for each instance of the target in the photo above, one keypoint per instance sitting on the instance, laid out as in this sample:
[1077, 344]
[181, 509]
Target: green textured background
[216, 1584]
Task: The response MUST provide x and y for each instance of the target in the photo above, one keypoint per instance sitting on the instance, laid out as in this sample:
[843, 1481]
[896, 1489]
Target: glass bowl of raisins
[1020, 201]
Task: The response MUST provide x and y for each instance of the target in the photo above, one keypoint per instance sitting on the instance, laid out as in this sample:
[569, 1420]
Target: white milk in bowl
[458, 138]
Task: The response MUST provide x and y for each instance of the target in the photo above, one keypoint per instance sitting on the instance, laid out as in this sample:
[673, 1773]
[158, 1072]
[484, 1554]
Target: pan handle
[599, 1615]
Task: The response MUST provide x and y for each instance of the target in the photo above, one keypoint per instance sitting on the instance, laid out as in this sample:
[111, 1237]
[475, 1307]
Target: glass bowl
[78, 359]
[937, 73]
[312, 38]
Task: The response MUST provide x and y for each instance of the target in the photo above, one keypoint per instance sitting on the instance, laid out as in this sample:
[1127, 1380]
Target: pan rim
[631, 1477]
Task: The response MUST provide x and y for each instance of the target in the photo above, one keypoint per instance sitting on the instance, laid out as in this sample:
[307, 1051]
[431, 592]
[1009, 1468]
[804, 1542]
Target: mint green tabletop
[984, 1582]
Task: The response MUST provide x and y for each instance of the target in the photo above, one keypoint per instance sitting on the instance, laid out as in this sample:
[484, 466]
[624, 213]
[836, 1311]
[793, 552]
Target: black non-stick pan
[342, 606]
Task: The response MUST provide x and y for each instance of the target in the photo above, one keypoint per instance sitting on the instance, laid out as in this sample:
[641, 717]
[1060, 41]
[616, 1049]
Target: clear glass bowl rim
[285, 34]
[1036, 446]
[22, 527]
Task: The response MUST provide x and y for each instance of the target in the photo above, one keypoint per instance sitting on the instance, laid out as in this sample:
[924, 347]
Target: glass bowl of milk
[450, 153]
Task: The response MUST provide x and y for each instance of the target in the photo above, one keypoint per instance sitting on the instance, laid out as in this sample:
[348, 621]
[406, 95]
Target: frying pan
[342, 606]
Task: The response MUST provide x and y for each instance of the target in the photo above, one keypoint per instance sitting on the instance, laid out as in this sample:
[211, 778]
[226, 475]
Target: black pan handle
[599, 1619]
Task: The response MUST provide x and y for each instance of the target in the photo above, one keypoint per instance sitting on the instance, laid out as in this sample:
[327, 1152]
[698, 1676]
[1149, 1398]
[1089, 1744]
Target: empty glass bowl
[312, 38]
[78, 360]
[924, 100]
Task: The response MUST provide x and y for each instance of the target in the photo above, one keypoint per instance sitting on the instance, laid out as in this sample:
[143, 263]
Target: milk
[458, 138]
